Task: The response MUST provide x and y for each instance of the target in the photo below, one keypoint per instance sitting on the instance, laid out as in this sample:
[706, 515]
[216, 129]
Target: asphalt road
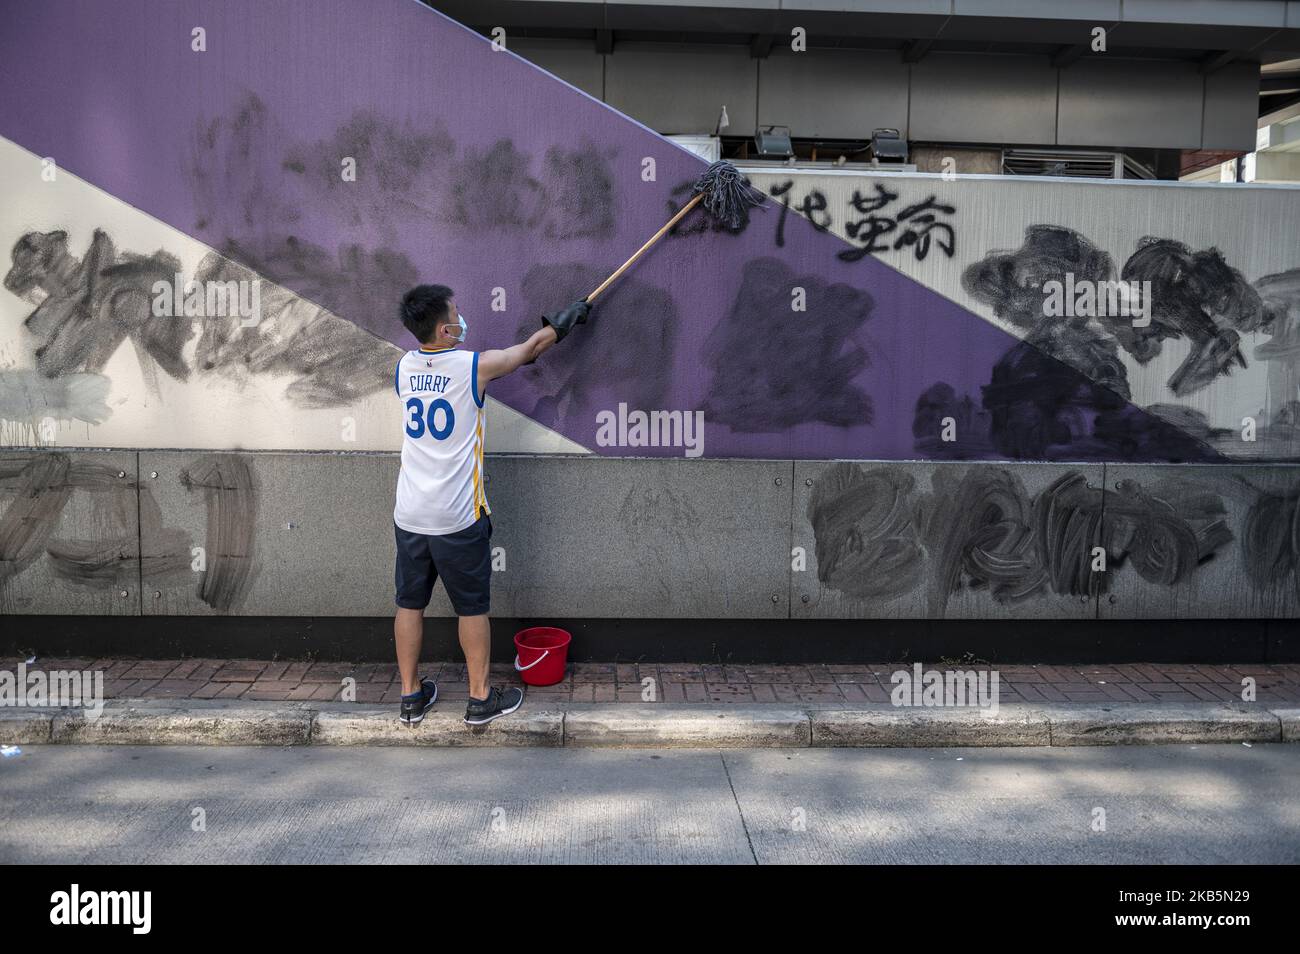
[1162, 804]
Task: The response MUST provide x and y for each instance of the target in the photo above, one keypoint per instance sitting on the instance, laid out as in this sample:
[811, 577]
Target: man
[442, 520]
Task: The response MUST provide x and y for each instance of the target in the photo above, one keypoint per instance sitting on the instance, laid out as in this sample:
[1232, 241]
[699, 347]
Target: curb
[729, 727]
[1166, 723]
[1290, 719]
[380, 727]
[619, 725]
[237, 725]
[892, 726]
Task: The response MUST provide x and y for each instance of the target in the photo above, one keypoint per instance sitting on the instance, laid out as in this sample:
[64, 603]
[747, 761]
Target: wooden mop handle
[641, 251]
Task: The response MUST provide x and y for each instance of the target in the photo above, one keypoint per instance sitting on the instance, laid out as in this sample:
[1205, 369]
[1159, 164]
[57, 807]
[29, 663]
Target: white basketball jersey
[440, 488]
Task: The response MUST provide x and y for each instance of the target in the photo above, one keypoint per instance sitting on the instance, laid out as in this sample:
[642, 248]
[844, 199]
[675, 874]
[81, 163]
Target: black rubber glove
[564, 319]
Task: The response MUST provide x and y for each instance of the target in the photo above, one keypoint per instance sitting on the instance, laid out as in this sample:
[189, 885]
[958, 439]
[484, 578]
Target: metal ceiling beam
[1279, 84]
[1067, 55]
[914, 50]
[1216, 60]
[1277, 108]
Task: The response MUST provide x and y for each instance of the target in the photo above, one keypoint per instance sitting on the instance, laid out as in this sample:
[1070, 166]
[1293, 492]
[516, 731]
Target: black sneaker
[499, 702]
[417, 704]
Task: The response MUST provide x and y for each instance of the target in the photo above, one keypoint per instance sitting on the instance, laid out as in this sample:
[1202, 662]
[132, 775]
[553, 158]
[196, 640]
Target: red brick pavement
[676, 682]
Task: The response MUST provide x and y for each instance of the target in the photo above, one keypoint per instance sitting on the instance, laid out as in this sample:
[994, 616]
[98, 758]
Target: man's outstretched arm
[500, 362]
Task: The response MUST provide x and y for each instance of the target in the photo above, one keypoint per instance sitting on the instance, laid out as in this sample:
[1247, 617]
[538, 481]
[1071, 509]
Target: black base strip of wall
[370, 639]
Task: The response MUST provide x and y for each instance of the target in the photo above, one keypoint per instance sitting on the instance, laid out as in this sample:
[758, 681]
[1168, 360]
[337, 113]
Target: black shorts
[463, 559]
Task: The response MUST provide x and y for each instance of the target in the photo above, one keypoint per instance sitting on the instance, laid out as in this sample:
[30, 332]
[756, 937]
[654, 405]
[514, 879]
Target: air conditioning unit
[1073, 163]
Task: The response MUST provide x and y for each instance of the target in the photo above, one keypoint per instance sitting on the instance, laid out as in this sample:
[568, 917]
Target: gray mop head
[727, 194]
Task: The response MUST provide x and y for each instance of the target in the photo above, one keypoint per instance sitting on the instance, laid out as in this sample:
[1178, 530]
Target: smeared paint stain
[865, 531]
[394, 165]
[980, 534]
[1270, 539]
[40, 488]
[165, 557]
[334, 361]
[108, 555]
[245, 172]
[226, 483]
[93, 305]
[1039, 408]
[1012, 284]
[244, 168]
[620, 355]
[492, 189]
[1067, 525]
[1044, 410]
[814, 379]
[1194, 295]
[99, 554]
[971, 425]
[1165, 530]
[1280, 299]
[346, 284]
[985, 531]
[30, 396]
[579, 186]
[979, 529]
[234, 177]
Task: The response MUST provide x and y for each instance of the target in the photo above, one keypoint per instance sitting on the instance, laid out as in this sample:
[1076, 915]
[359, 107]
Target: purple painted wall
[476, 169]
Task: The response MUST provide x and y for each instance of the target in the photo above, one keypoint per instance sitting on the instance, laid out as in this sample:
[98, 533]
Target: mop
[724, 193]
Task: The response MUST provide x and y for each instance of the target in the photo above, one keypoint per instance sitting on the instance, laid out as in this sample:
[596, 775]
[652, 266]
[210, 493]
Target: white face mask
[464, 328]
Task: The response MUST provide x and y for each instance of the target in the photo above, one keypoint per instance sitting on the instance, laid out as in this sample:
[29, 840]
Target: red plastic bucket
[540, 655]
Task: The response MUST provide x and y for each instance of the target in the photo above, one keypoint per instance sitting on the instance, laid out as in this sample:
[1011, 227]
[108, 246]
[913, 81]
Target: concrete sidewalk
[258, 702]
[720, 684]
[614, 725]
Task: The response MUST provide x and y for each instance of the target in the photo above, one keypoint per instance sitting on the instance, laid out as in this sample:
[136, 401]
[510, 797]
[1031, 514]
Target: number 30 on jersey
[420, 418]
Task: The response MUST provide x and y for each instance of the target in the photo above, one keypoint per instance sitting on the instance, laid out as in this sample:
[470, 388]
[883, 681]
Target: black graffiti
[981, 529]
[130, 540]
[636, 362]
[750, 392]
[95, 304]
[1194, 295]
[813, 205]
[919, 222]
[917, 226]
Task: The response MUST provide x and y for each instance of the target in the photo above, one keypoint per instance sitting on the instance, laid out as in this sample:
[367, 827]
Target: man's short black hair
[424, 308]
